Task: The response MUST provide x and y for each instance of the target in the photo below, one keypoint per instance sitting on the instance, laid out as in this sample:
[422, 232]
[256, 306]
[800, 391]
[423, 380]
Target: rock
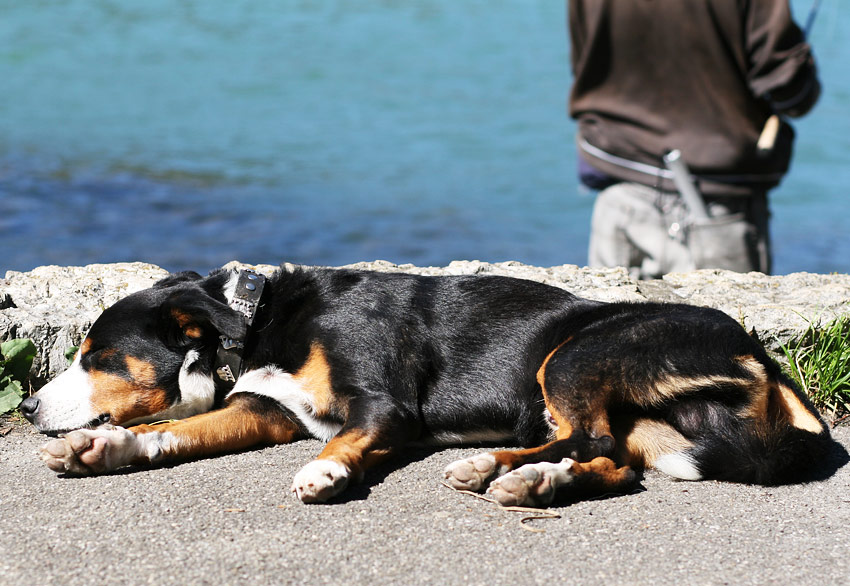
[775, 309]
[55, 306]
[599, 284]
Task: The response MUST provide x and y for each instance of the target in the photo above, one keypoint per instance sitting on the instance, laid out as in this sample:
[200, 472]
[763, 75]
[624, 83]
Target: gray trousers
[651, 233]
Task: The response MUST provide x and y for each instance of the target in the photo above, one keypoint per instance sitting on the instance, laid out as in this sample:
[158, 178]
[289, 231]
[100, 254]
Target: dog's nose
[29, 407]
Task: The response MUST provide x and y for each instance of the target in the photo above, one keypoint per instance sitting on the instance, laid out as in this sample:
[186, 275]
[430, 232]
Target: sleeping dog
[372, 362]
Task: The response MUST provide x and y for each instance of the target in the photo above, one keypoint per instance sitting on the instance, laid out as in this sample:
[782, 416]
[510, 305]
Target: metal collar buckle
[246, 300]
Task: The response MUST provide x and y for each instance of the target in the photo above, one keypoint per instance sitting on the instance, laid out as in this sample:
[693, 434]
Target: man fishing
[671, 99]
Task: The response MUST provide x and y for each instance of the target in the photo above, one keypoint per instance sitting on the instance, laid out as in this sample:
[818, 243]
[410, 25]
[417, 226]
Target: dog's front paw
[320, 480]
[471, 473]
[532, 485]
[89, 451]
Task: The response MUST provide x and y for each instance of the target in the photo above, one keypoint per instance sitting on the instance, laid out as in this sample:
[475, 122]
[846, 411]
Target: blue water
[188, 134]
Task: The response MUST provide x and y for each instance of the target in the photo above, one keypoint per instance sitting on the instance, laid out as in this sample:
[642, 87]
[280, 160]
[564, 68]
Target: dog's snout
[29, 408]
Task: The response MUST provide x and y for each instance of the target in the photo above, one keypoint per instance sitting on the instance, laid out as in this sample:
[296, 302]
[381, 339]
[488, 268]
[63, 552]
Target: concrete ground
[232, 520]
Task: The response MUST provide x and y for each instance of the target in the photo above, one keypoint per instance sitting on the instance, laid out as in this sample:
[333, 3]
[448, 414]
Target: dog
[592, 392]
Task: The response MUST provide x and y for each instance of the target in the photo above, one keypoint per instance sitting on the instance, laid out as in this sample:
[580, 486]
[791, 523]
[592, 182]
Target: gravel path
[232, 520]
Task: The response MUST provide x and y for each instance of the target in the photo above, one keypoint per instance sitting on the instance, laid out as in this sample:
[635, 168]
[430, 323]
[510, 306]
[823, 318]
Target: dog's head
[147, 357]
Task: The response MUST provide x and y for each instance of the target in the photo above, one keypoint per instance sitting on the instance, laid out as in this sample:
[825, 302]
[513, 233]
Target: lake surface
[188, 134]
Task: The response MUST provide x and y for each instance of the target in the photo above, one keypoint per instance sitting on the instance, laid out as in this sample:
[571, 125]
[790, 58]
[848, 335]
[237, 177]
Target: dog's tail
[785, 442]
[768, 454]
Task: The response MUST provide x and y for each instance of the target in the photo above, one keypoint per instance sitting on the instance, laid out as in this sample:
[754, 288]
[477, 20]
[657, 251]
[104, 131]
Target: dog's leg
[371, 434]
[536, 476]
[578, 407]
[577, 400]
[246, 421]
[475, 472]
[539, 484]
[344, 458]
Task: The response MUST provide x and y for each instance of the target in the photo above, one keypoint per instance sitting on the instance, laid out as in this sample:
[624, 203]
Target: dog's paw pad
[320, 480]
[471, 473]
[84, 452]
[531, 485]
[60, 457]
[73, 454]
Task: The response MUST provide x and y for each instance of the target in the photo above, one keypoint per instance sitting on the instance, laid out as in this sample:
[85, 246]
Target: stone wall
[54, 306]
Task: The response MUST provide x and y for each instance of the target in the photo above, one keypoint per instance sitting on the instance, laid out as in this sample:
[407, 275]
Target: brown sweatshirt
[701, 76]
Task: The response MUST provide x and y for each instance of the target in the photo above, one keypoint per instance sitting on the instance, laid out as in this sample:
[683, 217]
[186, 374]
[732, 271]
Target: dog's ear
[190, 314]
[176, 279]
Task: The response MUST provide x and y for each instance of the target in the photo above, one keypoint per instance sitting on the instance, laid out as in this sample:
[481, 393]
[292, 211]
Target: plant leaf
[70, 353]
[18, 356]
[11, 395]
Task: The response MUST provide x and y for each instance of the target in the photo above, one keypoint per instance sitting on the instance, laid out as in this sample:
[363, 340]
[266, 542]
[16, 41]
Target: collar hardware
[225, 374]
[246, 300]
[229, 343]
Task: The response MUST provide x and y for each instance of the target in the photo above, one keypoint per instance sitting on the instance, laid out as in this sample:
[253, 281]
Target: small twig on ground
[535, 513]
[840, 420]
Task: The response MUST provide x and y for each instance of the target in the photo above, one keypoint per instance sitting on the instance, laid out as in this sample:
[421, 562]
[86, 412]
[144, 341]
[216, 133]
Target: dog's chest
[304, 394]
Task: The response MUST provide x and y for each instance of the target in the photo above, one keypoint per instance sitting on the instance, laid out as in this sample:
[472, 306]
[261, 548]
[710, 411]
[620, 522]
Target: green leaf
[12, 348]
[70, 353]
[18, 355]
[11, 395]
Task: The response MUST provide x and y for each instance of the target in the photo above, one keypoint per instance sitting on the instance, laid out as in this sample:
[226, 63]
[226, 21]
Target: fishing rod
[767, 138]
[813, 12]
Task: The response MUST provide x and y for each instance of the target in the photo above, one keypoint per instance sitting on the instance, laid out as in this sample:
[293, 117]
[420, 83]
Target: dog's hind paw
[89, 451]
[320, 480]
[471, 473]
[532, 485]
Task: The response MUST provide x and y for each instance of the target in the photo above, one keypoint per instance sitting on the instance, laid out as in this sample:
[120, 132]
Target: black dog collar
[246, 299]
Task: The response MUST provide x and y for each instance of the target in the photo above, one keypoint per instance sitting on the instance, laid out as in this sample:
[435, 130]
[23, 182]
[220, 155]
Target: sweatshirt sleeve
[782, 67]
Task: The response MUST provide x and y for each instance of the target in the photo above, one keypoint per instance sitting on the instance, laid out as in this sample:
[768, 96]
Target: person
[700, 79]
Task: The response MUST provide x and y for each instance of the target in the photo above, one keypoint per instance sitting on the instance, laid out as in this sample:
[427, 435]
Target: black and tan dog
[372, 362]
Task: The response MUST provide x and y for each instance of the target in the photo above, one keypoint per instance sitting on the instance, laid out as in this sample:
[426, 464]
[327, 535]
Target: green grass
[820, 363]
